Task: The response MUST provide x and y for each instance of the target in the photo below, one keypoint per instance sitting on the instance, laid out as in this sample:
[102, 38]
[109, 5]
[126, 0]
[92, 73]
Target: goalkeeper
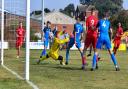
[53, 53]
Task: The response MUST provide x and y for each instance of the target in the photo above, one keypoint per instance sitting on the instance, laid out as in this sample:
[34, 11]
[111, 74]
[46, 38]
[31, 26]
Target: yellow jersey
[56, 44]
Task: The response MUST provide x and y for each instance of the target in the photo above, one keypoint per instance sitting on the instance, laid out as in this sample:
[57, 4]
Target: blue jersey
[46, 32]
[104, 39]
[104, 27]
[78, 28]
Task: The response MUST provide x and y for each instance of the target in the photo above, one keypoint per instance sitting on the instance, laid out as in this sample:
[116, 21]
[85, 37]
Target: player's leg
[115, 47]
[18, 52]
[56, 56]
[43, 58]
[108, 45]
[45, 47]
[90, 51]
[61, 59]
[67, 55]
[83, 58]
[96, 51]
[18, 46]
[94, 42]
[71, 43]
[94, 61]
[126, 46]
[114, 59]
[78, 45]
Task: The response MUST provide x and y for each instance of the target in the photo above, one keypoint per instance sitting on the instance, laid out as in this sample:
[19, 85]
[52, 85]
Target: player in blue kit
[104, 39]
[75, 38]
[46, 32]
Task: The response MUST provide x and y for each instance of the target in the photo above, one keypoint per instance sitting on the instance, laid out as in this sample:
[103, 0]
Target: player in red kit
[117, 38]
[91, 32]
[20, 32]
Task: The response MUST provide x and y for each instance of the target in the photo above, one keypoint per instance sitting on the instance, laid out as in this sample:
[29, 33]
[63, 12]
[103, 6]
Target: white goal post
[2, 33]
[27, 63]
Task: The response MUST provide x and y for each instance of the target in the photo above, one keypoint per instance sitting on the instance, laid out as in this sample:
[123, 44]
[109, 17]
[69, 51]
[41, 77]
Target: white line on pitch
[32, 84]
[21, 78]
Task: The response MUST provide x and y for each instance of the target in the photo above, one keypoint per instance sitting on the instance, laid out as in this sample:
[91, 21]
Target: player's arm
[97, 28]
[82, 34]
[24, 34]
[111, 33]
[62, 41]
[86, 26]
[17, 34]
[50, 34]
[121, 33]
[75, 33]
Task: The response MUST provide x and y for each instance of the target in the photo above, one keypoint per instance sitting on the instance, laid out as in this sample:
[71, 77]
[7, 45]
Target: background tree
[46, 10]
[113, 6]
[68, 10]
[120, 17]
[87, 2]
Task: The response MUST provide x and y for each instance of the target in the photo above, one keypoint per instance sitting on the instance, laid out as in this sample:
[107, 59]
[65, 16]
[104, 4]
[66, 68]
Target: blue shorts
[46, 43]
[71, 43]
[103, 41]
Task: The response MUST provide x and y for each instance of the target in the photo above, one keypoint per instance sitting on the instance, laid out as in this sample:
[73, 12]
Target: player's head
[20, 24]
[48, 24]
[92, 11]
[77, 19]
[57, 35]
[119, 24]
[106, 15]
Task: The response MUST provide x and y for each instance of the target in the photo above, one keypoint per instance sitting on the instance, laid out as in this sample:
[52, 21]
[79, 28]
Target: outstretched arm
[62, 41]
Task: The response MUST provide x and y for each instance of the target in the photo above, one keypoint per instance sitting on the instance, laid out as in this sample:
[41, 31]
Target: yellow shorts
[53, 55]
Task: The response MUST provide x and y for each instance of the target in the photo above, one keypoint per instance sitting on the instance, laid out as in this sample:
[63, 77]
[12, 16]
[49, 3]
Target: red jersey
[119, 33]
[91, 21]
[20, 32]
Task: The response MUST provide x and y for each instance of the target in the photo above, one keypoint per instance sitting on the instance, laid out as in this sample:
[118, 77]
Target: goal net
[14, 14]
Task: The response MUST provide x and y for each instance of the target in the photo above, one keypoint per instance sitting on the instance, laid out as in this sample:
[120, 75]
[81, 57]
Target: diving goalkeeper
[53, 53]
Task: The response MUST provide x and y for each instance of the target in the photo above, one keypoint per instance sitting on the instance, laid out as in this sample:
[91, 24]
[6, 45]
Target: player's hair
[78, 18]
[106, 14]
[48, 22]
[20, 22]
[92, 10]
[57, 32]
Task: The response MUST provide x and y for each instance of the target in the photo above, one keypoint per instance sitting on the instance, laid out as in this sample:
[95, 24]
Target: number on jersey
[104, 24]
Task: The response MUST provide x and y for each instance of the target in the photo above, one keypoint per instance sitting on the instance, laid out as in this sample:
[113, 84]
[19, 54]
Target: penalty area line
[21, 78]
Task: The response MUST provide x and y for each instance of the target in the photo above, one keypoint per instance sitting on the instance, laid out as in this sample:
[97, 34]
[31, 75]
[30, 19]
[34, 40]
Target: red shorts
[90, 40]
[116, 43]
[19, 43]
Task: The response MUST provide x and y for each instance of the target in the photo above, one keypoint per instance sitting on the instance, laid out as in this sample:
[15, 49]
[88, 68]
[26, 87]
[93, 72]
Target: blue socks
[43, 52]
[113, 59]
[94, 61]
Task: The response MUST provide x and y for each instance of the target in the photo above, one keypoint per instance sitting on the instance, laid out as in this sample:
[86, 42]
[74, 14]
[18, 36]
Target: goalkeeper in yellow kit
[53, 53]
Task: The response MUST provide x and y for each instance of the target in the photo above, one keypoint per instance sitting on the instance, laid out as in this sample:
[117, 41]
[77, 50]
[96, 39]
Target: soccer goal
[15, 35]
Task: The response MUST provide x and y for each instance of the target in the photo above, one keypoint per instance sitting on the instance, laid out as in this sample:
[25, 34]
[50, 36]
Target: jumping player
[20, 33]
[75, 38]
[91, 32]
[54, 49]
[46, 34]
[117, 38]
[104, 39]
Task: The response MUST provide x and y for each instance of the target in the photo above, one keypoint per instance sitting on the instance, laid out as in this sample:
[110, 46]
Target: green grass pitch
[50, 75]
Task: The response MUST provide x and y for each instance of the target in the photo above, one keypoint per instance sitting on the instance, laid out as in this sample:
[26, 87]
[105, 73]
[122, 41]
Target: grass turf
[50, 75]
